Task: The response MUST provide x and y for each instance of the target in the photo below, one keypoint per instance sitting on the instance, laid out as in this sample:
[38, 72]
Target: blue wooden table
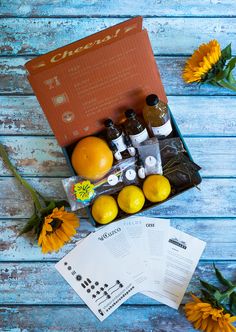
[33, 296]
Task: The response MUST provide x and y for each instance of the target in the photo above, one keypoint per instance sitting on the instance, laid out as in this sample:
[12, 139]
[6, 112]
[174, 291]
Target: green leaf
[226, 53]
[32, 223]
[209, 287]
[221, 279]
[48, 209]
[232, 302]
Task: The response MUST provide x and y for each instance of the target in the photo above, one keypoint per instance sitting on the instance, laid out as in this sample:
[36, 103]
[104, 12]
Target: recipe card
[91, 271]
[183, 254]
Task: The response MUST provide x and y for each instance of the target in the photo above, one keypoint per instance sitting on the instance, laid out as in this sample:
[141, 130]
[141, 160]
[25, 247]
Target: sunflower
[207, 318]
[202, 62]
[208, 65]
[58, 227]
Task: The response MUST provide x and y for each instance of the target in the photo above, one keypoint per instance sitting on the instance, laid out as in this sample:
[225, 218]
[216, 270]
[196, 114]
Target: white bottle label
[138, 138]
[163, 130]
[119, 143]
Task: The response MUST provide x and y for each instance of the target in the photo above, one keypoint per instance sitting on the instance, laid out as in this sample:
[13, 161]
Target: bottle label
[138, 138]
[119, 143]
[163, 130]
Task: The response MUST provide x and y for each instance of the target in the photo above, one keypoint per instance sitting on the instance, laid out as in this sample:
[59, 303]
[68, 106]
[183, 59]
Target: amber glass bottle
[114, 134]
[157, 117]
[134, 128]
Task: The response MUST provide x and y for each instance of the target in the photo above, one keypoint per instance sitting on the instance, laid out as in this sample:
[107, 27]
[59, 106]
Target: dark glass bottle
[157, 117]
[114, 134]
[134, 128]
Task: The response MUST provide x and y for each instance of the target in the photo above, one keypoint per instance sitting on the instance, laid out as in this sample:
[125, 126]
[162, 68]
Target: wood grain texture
[80, 319]
[13, 248]
[216, 199]
[42, 156]
[22, 115]
[13, 78]
[16, 280]
[119, 8]
[38, 36]
[34, 296]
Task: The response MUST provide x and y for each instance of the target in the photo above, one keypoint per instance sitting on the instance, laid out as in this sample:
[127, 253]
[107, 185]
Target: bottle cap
[152, 100]
[130, 113]
[108, 123]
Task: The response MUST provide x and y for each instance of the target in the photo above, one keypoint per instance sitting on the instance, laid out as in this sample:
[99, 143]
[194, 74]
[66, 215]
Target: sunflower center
[56, 223]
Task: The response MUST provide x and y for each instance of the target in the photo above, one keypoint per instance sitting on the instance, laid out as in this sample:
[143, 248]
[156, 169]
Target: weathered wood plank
[35, 156]
[47, 286]
[41, 156]
[37, 36]
[124, 8]
[22, 115]
[13, 78]
[80, 319]
[216, 199]
[220, 235]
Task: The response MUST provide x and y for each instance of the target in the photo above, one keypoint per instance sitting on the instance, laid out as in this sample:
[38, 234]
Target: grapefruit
[92, 158]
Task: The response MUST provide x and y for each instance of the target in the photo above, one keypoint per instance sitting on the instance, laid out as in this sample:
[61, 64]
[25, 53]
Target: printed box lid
[81, 84]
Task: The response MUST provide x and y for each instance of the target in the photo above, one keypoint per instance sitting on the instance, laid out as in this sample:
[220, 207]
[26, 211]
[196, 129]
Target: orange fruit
[92, 158]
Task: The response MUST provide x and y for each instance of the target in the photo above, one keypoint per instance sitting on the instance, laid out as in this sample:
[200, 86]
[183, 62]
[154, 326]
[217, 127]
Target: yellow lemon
[156, 188]
[131, 199]
[104, 209]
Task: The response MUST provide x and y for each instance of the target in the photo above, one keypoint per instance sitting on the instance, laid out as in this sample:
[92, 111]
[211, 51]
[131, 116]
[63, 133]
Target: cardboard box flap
[79, 93]
[84, 45]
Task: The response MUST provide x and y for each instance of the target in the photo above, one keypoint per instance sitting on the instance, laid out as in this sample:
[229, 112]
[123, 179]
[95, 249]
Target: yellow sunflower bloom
[206, 318]
[201, 62]
[57, 229]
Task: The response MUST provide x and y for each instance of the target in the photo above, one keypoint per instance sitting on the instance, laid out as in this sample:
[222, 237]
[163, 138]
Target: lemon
[131, 199]
[156, 188]
[104, 209]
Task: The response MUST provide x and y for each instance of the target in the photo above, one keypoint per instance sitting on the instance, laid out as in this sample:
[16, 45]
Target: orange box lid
[81, 84]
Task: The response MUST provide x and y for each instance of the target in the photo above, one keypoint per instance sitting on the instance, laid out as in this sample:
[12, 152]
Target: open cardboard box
[81, 84]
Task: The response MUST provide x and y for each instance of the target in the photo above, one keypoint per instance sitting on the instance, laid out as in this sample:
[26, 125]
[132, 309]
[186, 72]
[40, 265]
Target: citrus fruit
[92, 158]
[104, 209]
[131, 199]
[156, 188]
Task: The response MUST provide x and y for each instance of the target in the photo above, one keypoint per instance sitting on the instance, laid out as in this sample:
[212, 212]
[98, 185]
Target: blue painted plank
[216, 199]
[121, 8]
[38, 36]
[22, 115]
[77, 318]
[219, 233]
[13, 78]
[47, 286]
[41, 156]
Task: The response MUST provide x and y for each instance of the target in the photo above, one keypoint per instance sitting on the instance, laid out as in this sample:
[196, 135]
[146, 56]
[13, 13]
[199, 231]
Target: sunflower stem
[31, 190]
[226, 84]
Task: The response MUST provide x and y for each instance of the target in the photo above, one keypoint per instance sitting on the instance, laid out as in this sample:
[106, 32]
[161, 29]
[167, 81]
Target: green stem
[33, 193]
[227, 85]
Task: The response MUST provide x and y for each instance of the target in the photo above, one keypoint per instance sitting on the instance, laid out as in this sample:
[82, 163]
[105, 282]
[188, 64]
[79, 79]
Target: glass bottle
[131, 149]
[134, 128]
[114, 134]
[157, 116]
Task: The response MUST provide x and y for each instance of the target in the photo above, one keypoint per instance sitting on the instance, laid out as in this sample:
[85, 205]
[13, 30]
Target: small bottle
[115, 151]
[141, 168]
[115, 135]
[157, 117]
[131, 149]
[135, 129]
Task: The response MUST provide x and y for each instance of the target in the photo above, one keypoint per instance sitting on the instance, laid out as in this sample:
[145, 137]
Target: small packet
[149, 153]
[181, 171]
[81, 192]
[170, 147]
